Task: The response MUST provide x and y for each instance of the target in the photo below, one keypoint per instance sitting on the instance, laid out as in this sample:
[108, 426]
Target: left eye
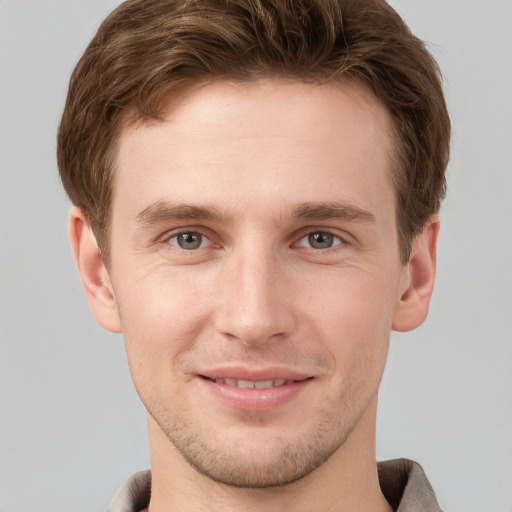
[188, 240]
[320, 240]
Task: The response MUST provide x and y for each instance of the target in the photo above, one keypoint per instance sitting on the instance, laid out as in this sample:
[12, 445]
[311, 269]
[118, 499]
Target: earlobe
[94, 275]
[418, 280]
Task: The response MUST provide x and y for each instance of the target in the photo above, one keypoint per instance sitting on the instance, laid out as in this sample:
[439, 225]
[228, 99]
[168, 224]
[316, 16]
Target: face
[256, 272]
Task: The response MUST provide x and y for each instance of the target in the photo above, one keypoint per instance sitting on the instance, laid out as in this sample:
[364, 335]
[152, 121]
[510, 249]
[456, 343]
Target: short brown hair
[147, 50]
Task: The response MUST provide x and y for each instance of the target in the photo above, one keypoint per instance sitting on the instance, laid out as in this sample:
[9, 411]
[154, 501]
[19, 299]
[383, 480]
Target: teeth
[264, 384]
[245, 384]
[249, 384]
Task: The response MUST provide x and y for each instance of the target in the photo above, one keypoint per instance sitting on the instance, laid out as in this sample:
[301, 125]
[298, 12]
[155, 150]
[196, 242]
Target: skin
[259, 292]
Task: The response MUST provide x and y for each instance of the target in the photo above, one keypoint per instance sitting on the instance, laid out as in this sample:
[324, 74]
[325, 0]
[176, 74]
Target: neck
[346, 482]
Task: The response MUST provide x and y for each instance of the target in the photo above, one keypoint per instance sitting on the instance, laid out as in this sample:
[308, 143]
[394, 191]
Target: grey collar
[402, 481]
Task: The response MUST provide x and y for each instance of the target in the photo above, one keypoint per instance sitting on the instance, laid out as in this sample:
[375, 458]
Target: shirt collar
[402, 481]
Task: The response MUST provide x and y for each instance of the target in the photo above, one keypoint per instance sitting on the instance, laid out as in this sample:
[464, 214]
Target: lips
[248, 384]
[254, 390]
[253, 374]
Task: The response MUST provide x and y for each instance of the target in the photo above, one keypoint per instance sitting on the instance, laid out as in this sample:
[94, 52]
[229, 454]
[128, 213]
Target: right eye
[188, 240]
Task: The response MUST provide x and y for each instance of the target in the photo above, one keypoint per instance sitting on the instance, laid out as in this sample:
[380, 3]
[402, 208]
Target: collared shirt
[402, 481]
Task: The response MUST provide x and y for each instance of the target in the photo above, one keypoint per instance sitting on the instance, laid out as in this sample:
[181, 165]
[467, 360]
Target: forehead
[235, 143]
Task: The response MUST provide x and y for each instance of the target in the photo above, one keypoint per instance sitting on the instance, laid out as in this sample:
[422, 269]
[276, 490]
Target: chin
[269, 460]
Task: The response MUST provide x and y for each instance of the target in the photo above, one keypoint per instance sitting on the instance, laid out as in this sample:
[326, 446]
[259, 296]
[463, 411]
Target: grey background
[71, 426]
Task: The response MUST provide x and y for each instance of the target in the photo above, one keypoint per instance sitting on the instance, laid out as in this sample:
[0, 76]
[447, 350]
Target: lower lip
[255, 399]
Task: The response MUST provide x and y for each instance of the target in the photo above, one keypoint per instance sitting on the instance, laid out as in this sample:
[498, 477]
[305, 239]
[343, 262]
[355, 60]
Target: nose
[254, 298]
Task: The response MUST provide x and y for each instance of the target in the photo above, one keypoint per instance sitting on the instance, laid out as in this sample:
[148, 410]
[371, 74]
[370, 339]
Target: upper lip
[253, 374]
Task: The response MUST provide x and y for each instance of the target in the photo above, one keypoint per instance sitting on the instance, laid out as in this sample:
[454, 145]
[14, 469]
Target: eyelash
[338, 239]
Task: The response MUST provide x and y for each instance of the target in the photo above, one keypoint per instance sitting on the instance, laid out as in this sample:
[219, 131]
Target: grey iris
[189, 241]
[321, 240]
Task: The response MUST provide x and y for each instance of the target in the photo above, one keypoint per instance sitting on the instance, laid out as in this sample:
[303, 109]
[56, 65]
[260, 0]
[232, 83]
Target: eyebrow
[163, 211]
[332, 210]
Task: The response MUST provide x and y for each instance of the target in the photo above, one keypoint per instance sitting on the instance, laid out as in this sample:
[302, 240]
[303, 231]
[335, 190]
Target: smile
[263, 394]
[248, 384]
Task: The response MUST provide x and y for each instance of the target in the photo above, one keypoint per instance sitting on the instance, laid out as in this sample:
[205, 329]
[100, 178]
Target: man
[256, 187]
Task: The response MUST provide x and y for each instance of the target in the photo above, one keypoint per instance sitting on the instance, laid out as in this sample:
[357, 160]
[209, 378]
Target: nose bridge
[254, 307]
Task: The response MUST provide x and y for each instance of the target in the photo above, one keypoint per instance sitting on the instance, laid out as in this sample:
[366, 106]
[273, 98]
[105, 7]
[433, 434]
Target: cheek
[161, 319]
[353, 316]
[353, 299]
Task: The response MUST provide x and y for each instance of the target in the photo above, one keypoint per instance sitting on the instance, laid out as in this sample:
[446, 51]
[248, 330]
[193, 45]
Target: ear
[418, 278]
[95, 279]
